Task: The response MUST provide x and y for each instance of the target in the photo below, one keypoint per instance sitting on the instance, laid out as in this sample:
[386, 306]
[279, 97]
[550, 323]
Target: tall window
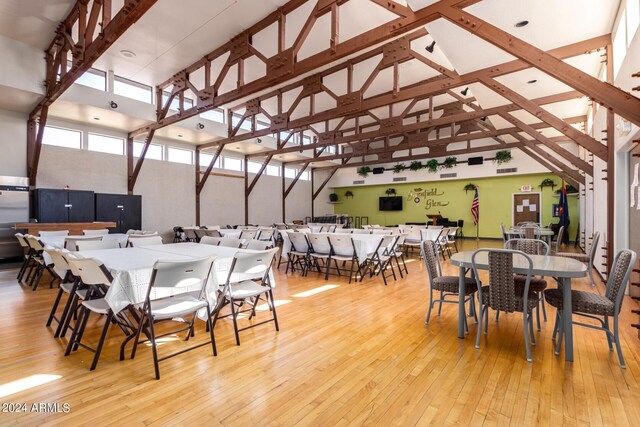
[205, 160]
[289, 173]
[232, 164]
[93, 78]
[273, 170]
[306, 176]
[154, 151]
[216, 115]
[106, 144]
[180, 155]
[133, 90]
[62, 137]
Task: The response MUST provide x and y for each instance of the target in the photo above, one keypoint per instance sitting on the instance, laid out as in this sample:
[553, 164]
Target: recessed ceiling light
[521, 24]
[128, 53]
[532, 81]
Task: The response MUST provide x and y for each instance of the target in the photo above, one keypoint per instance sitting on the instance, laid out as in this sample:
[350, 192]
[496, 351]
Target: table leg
[567, 319]
[461, 314]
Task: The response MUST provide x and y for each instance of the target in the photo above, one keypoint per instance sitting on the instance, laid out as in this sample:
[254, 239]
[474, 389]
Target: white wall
[13, 143]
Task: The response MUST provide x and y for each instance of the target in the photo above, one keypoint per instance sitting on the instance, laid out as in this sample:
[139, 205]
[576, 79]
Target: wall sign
[418, 193]
[525, 188]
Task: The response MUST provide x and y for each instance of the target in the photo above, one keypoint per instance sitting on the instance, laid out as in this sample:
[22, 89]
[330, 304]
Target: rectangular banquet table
[364, 243]
[564, 269]
[131, 269]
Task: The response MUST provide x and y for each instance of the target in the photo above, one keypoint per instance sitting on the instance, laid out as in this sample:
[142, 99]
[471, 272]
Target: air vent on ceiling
[358, 182]
[448, 175]
[507, 170]
[400, 179]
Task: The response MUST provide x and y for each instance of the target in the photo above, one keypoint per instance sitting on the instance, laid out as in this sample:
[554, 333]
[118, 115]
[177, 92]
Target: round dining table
[563, 269]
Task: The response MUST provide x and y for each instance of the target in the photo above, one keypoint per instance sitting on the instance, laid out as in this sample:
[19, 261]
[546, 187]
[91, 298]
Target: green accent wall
[449, 197]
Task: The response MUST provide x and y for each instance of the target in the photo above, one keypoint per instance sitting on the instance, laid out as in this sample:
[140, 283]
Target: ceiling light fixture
[464, 91]
[521, 24]
[179, 135]
[96, 118]
[113, 104]
[258, 141]
[532, 81]
[431, 47]
[128, 53]
[200, 126]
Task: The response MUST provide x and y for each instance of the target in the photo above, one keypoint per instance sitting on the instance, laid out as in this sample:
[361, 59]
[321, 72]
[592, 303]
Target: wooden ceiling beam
[285, 65]
[621, 102]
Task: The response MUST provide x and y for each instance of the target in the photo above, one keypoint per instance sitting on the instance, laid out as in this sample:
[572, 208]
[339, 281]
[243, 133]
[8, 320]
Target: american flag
[475, 208]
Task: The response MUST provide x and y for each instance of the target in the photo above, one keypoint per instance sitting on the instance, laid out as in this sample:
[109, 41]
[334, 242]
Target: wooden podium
[434, 218]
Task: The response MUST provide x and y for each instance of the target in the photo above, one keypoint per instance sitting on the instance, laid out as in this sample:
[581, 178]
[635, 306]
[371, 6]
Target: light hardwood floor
[346, 354]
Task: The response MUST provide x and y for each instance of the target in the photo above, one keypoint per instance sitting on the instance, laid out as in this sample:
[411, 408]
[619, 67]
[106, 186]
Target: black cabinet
[124, 210]
[50, 205]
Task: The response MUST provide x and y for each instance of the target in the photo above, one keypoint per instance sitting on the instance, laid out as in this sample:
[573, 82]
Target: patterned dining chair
[446, 285]
[502, 293]
[594, 306]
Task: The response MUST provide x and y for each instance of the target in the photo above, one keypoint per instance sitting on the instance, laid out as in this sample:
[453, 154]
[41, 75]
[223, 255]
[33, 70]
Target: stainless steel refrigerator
[14, 208]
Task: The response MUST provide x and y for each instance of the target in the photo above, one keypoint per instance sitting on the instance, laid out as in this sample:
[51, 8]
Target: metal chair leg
[103, 336]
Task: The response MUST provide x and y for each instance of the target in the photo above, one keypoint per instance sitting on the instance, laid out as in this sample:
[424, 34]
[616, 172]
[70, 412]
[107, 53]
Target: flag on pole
[563, 207]
[475, 208]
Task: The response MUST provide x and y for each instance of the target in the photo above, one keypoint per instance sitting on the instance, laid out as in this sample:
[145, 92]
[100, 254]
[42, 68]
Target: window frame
[79, 132]
[90, 134]
[133, 83]
[192, 152]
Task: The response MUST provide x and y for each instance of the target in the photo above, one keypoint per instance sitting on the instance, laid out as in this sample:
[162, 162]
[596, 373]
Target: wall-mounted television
[390, 203]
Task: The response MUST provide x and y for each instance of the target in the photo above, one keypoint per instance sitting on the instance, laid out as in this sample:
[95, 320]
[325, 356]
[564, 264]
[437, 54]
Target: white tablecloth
[365, 244]
[131, 269]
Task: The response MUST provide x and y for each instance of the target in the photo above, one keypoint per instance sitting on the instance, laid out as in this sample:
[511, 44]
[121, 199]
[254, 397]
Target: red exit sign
[525, 188]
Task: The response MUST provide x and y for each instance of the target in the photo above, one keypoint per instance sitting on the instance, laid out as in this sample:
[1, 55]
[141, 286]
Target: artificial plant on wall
[450, 162]
[503, 156]
[348, 194]
[547, 182]
[399, 168]
[416, 165]
[364, 171]
[390, 191]
[432, 165]
[333, 197]
[470, 187]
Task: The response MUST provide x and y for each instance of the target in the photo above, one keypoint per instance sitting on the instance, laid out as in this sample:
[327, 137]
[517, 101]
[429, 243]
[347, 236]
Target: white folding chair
[343, 249]
[71, 243]
[231, 243]
[179, 280]
[248, 278]
[92, 245]
[100, 232]
[299, 253]
[258, 245]
[320, 249]
[141, 241]
[207, 240]
[53, 233]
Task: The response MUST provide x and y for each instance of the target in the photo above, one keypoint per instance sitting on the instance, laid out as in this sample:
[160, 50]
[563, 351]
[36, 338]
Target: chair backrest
[251, 266]
[189, 233]
[22, 240]
[361, 231]
[435, 227]
[60, 265]
[528, 246]
[280, 226]
[430, 234]
[431, 259]
[560, 238]
[211, 233]
[71, 243]
[258, 245]
[594, 246]
[90, 271]
[211, 227]
[620, 272]
[91, 245]
[208, 240]
[444, 235]
[319, 243]
[100, 232]
[505, 236]
[414, 234]
[401, 238]
[34, 243]
[248, 234]
[231, 243]
[387, 244]
[53, 233]
[266, 234]
[342, 245]
[502, 293]
[200, 232]
[181, 276]
[382, 232]
[332, 228]
[453, 232]
[145, 241]
[299, 242]
[530, 231]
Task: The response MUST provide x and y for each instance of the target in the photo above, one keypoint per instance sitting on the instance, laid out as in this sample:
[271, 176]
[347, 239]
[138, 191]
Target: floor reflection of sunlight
[26, 383]
[279, 302]
[314, 291]
[164, 340]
